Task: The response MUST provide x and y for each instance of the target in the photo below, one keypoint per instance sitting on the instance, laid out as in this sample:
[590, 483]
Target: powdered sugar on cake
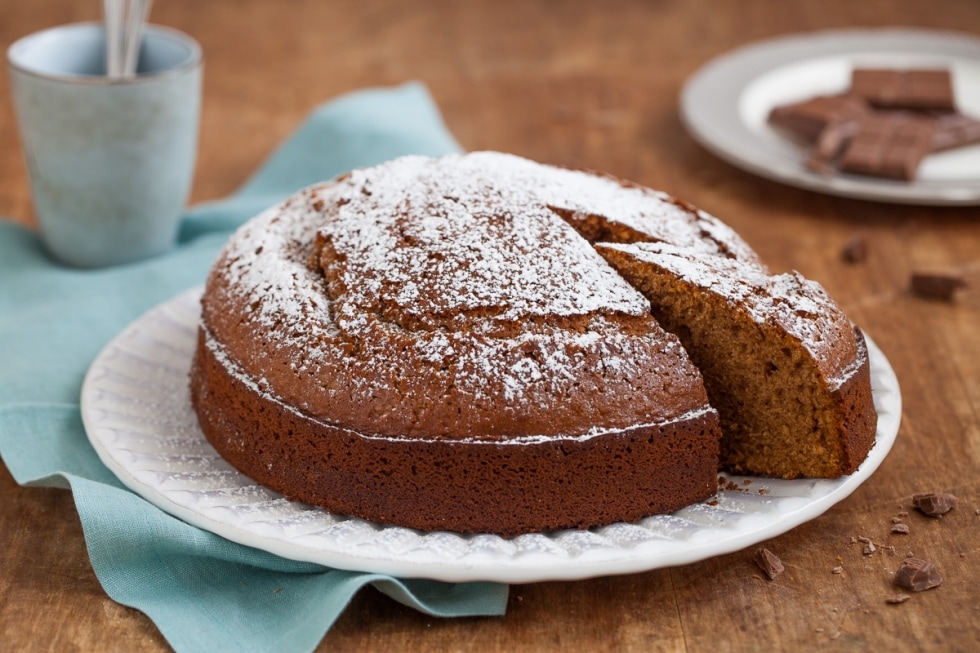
[454, 279]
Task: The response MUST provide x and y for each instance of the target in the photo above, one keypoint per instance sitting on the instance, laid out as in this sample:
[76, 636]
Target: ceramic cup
[110, 161]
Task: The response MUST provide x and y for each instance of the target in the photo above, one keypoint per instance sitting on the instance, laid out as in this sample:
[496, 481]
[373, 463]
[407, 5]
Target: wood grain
[596, 85]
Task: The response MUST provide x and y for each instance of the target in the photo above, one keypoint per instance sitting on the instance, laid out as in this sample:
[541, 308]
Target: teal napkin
[204, 593]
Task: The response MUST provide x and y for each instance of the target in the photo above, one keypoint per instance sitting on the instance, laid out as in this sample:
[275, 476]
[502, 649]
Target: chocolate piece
[889, 145]
[809, 118]
[856, 249]
[769, 563]
[934, 504]
[831, 142]
[835, 137]
[904, 89]
[917, 575]
[954, 130]
[901, 529]
[898, 598]
[936, 285]
[821, 166]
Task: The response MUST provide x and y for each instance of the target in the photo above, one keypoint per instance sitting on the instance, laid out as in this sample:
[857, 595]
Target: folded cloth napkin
[204, 593]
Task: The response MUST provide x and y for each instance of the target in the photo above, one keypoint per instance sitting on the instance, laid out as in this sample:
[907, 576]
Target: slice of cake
[782, 364]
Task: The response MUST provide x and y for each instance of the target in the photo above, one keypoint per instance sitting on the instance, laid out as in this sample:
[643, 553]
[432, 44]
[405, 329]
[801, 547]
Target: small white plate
[726, 103]
[137, 413]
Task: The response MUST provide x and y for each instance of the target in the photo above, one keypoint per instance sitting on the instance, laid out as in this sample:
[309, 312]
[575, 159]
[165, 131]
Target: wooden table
[591, 84]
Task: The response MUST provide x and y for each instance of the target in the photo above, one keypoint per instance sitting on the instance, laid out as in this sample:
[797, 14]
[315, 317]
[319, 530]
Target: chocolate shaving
[934, 504]
[769, 563]
[898, 598]
[934, 285]
[917, 575]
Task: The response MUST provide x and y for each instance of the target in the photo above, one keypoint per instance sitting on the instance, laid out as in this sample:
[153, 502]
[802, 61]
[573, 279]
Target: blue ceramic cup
[110, 161]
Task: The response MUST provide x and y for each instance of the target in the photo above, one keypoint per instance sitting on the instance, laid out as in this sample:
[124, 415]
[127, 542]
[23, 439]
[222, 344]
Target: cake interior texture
[784, 413]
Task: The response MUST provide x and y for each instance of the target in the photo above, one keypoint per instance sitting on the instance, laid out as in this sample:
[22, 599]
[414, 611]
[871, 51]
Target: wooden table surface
[590, 84]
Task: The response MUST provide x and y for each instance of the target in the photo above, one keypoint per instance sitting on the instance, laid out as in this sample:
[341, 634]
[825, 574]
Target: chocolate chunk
[954, 130]
[904, 89]
[934, 504]
[889, 145]
[856, 249]
[808, 119]
[936, 285]
[835, 137]
[770, 565]
[917, 575]
[898, 598]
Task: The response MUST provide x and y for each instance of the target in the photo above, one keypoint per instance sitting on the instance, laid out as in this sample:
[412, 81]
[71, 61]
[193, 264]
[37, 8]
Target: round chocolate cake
[436, 343]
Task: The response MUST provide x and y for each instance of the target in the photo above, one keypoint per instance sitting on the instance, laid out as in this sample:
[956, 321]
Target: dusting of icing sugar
[422, 281]
[798, 305]
[221, 356]
[469, 241]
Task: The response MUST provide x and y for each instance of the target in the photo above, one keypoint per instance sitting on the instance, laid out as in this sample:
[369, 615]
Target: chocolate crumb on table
[936, 285]
[898, 598]
[901, 529]
[917, 575]
[934, 504]
[856, 249]
[769, 563]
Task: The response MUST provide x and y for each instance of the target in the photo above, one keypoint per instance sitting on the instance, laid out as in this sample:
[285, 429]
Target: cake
[442, 344]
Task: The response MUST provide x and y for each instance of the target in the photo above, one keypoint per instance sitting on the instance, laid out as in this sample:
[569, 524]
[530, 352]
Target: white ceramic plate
[136, 409]
[725, 105]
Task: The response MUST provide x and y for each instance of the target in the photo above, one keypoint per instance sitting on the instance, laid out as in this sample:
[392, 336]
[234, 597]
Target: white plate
[725, 105]
[136, 409]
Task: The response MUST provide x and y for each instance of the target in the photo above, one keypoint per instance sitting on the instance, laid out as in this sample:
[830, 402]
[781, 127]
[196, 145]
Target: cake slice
[782, 364]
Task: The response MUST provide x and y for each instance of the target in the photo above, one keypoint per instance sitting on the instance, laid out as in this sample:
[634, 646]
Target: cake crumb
[902, 529]
[898, 598]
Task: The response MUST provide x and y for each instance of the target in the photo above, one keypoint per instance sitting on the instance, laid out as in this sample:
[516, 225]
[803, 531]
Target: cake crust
[536, 485]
